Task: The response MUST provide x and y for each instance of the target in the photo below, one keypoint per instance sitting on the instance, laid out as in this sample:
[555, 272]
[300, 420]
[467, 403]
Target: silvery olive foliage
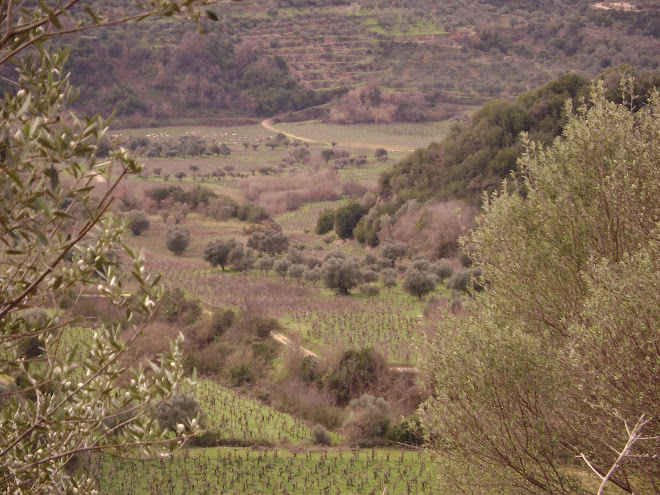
[558, 359]
[70, 394]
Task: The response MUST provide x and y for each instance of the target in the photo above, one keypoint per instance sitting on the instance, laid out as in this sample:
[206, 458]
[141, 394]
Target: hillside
[427, 61]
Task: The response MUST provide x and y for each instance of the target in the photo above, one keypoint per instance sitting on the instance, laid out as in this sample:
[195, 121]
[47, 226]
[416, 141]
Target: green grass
[245, 471]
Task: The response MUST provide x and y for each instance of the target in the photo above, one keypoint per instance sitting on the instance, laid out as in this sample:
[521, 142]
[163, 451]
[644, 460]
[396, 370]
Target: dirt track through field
[268, 124]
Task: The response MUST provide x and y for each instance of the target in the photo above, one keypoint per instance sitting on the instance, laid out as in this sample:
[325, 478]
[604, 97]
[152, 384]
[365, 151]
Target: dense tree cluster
[561, 351]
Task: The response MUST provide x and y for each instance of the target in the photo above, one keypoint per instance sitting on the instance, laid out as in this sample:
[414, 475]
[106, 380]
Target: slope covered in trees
[475, 158]
[558, 360]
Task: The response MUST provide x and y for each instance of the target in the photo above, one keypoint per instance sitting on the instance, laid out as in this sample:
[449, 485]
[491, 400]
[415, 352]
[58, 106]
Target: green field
[245, 471]
[399, 135]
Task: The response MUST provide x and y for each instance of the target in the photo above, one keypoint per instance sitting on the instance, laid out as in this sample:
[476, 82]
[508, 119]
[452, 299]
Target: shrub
[442, 268]
[251, 213]
[177, 240]
[211, 359]
[325, 223]
[320, 435]
[175, 308]
[356, 372]
[346, 218]
[241, 374]
[368, 418]
[369, 290]
[309, 403]
[221, 321]
[389, 278]
[138, 222]
[465, 279]
[181, 408]
[262, 327]
[407, 431]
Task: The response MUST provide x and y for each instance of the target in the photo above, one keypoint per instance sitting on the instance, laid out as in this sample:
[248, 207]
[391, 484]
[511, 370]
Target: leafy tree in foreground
[73, 395]
[560, 354]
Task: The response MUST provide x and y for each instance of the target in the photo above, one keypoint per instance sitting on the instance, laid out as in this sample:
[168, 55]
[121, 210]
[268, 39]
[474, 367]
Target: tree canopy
[560, 356]
[73, 395]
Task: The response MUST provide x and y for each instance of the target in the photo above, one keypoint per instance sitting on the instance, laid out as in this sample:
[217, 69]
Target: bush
[181, 408]
[407, 431]
[309, 403]
[309, 369]
[262, 327]
[369, 290]
[389, 278]
[241, 374]
[175, 308]
[139, 222]
[465, 279]
[346, 218]
[356, 372]
[325, 222]
[251, 213]
[368, 418]
[177, 240]
[320, 435]
[442, 268]
[221, 321]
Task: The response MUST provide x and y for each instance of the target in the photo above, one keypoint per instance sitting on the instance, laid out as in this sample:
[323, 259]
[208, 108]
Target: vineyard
[237, 418]
[304, 219]
[255, 472]
[388, 323]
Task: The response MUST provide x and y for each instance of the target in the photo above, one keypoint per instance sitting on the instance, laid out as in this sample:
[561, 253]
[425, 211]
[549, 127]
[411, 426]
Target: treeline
[430, 198]
[187, 74]
[474, 159]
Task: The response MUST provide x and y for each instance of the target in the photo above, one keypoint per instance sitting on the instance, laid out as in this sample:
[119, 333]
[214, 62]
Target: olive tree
[559, 354]
[341, 274]
[177, 240]
[74, 395]
[217, 252]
